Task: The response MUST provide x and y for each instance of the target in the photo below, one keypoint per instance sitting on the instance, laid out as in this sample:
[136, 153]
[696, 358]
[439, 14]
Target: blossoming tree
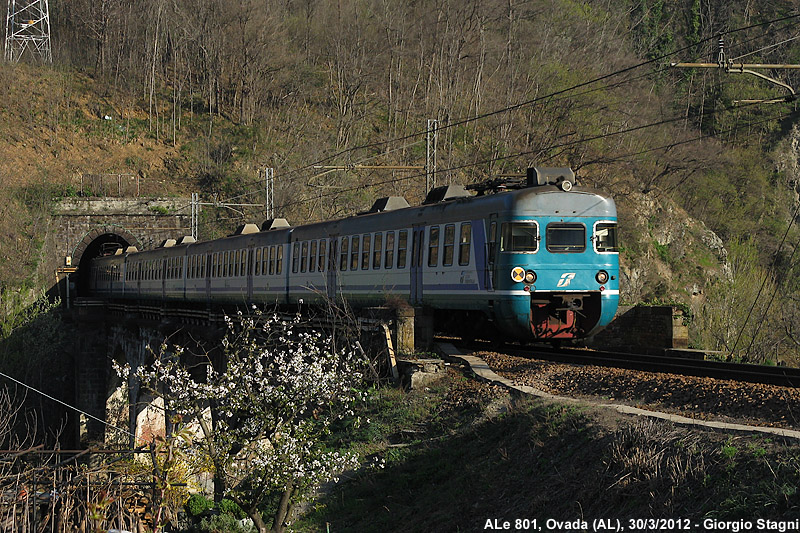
[274, 393]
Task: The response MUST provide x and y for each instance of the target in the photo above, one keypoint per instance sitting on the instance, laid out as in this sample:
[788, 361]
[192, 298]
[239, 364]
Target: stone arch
[91, 246]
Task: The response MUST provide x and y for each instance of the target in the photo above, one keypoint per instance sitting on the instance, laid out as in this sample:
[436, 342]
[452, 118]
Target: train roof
[394, 212]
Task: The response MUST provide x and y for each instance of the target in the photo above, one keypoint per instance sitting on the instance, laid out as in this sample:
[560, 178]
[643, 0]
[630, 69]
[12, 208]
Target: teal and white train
[539, 262]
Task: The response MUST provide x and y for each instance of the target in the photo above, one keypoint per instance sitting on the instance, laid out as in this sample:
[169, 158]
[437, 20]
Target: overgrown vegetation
[497, 466]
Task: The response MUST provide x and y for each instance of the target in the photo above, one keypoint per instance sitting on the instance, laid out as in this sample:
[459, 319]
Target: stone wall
[644, 329]
[149, 220]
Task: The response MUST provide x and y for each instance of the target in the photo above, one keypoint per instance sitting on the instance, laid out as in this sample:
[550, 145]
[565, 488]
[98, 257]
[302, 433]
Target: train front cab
[554, 278]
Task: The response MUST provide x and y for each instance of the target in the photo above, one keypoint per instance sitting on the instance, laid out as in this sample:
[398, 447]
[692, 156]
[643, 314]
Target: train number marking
[566, 278]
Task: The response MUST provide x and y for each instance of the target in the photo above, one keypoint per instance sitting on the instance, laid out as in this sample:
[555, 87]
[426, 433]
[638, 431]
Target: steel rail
[750, 373]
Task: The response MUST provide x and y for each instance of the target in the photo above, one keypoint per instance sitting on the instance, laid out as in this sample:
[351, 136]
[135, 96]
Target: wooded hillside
[201, 93]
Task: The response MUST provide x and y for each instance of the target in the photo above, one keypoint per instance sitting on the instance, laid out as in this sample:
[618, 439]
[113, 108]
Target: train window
[322, 245]
[605, 237]
[244, 263]
[343, 254]
[312, 257]
[388, 257]
[564, 237]
[237, 261]
[265, 259]
[433, 246]
[519, 237]
[377, 248]
[449, 245]
[402, 246]
[365, 242]
[304, 257]
[271, 260]
[354, 252]
[279, 260]
[464, 242]
[214, 265]
[258, 262]
[296, 257]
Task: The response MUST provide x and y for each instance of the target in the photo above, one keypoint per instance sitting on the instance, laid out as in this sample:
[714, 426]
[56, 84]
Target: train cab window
[323, 243]
[279, 260]
[605, 237]
[563, 237]
[377, 251]
[354, 247]
[296, 257]
[304, 257]
[449, 245]
[402, 248]
[312, 257]
[519, 237]
[343, 253]
[433, 246]
[365, 242]
[464, 242]
[388, 257]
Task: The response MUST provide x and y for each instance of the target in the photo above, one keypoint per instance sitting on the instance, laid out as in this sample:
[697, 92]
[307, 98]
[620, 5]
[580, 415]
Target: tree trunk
[258, 521]
[279, 523]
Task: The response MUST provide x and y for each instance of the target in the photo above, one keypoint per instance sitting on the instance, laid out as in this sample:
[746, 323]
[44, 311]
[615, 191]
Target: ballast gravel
[689, 396]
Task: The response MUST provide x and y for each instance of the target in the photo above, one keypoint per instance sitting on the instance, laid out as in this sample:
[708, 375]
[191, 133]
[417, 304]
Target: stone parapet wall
[644, 329]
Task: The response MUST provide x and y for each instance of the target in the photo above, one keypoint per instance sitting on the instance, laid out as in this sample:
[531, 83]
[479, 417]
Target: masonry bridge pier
[132, 333]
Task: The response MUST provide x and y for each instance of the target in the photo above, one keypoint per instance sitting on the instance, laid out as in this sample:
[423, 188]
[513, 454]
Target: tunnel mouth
[103, 244]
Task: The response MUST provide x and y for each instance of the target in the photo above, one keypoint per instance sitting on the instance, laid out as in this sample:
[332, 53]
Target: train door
[417, 248]
[491, 253]
[249, 262]
[208, 274]
[333, 267]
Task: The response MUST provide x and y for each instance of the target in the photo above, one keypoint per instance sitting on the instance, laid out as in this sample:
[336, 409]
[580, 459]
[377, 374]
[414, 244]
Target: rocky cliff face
[667, 255]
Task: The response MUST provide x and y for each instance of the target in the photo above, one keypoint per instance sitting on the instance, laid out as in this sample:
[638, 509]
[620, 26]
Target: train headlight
[601, 276]
[530, 277]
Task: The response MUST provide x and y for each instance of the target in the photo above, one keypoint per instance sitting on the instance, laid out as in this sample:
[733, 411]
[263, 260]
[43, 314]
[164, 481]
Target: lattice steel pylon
[28, 28]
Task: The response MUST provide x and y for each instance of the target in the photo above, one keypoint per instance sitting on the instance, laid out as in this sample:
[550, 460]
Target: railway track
[749, 373]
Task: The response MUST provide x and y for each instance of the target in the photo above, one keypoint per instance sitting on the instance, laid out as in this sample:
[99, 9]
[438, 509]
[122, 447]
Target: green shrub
[198, 504]
[230, 507]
